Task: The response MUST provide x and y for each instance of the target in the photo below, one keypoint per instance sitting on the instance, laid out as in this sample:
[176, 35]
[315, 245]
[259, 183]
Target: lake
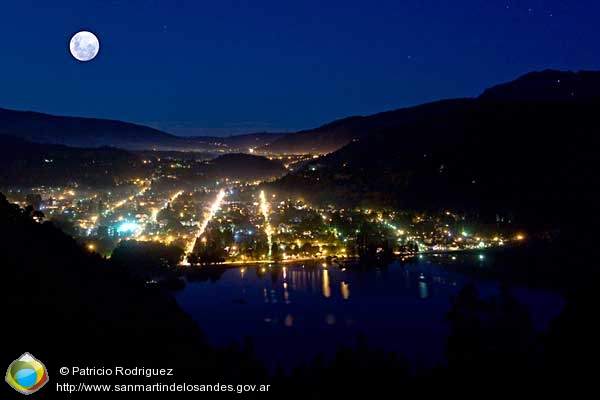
[294, 312]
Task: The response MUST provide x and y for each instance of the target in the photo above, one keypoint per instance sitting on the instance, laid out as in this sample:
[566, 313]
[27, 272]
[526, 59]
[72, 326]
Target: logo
[27, 374]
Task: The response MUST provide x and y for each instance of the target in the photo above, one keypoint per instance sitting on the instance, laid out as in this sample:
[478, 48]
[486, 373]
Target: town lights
[264, 208]
[216, 205]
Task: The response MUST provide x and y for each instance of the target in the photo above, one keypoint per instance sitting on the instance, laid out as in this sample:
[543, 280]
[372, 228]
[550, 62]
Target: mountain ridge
[548, 84]
[571, 85]
[519, 158]
[94, 132]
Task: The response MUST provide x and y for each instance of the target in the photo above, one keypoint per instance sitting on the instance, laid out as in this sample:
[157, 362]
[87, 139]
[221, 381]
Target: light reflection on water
[295, 312]
[345, 289]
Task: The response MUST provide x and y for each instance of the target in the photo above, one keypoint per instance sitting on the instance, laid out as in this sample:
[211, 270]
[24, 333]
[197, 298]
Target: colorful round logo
[27, 374]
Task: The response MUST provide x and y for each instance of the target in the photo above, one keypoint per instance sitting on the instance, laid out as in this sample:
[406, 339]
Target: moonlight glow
[84, 46]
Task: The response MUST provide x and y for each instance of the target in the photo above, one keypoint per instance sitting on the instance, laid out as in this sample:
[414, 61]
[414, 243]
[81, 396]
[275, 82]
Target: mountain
[82, 132]
[92, 132]
[497, 154]
[336, 134]
[24, 163]
[547, 85]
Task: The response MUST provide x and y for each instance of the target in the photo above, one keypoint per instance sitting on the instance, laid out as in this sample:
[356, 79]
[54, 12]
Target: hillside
[24, 163]
[495, 155]
[82, 132]
[547, 85]
[92, 132]
[336, 134]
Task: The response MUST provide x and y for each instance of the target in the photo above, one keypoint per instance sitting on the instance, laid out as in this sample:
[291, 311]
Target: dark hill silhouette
[93, 132]
[336, 134]
[90, 132]
[74, 131]
[516, 157]
[24, 163]
[546, 85]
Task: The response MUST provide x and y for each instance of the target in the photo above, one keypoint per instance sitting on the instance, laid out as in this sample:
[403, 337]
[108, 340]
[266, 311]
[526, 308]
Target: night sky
[223, 67]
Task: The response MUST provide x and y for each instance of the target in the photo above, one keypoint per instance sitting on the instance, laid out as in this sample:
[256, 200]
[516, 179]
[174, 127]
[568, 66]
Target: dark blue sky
[220, 67]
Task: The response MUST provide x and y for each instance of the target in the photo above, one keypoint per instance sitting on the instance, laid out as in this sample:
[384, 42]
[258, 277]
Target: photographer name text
[116, 371]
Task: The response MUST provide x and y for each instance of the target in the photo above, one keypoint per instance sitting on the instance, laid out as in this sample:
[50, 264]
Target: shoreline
[247, 263]
[509, 264]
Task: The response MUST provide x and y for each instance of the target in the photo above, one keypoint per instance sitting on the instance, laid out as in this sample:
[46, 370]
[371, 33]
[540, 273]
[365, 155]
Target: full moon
[84, 46]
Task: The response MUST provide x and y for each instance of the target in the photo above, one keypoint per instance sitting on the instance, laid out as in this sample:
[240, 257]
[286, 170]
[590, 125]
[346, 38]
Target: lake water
[295, 312]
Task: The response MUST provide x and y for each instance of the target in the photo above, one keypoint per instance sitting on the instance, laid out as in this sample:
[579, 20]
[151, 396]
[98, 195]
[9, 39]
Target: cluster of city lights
[202, 227]
[264, 209]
